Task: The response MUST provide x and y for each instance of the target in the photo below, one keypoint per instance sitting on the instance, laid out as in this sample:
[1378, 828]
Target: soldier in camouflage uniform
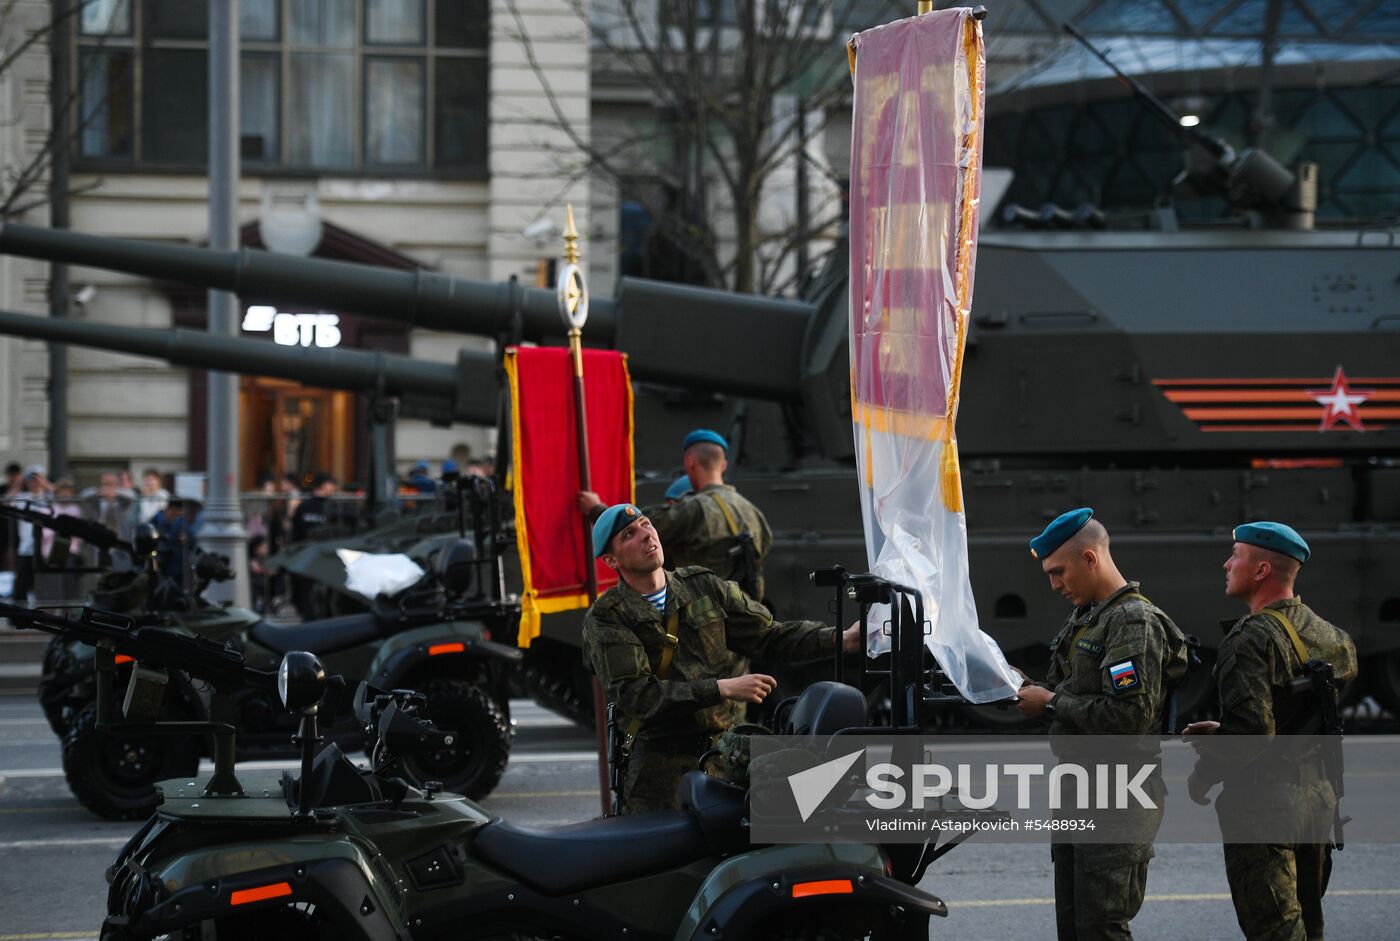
[696, 528]
[678, 704]
[1112, 664]
[700, 527]
[1277, 889]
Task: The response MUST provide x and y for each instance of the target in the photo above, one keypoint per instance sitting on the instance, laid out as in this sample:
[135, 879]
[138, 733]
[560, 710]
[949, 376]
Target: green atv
[439, 636]
[343, 852]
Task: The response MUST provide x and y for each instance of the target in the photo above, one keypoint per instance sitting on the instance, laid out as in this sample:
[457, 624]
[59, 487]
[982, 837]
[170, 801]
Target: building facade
[449, 134]
[408, 131]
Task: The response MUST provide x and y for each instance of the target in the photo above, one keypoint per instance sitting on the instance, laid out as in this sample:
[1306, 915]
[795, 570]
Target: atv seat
[720, 808]
[318, 637]
[559, 860]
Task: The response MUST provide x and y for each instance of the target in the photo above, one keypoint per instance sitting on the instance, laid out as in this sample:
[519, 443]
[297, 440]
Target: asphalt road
[53, 852]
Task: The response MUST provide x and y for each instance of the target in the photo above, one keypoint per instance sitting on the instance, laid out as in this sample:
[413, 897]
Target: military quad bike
[435, 636]
[358, 853]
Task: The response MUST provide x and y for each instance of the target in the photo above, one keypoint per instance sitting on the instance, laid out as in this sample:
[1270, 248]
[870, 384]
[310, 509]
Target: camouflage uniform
[1277, 889]
[1099, 887]
[682, 715]
[695, 532]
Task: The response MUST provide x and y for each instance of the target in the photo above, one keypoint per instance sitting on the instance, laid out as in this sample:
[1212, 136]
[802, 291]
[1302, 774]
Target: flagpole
[573, 307]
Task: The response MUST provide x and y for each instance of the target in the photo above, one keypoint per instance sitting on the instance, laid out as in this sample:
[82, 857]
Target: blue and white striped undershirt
[657, 599]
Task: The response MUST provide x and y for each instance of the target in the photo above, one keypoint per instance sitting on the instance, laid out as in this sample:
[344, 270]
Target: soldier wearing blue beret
[1277, 889]
[662, 644]
[680, 489]
[715, 526]
[1111, 665]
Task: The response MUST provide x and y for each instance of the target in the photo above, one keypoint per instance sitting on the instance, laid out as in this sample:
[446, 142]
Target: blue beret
[705, 434]
[1059, 531]
[613, 521]
[449, 467]
[1275, 537]
[680, 487]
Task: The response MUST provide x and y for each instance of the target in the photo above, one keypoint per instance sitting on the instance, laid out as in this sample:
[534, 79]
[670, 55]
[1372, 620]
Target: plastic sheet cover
[373, 575]
[916, 162]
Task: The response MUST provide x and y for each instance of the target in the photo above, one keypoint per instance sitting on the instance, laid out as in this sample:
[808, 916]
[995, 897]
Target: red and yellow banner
[545, 473]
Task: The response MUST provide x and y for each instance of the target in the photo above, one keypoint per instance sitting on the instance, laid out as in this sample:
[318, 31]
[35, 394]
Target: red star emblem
[1340, 402]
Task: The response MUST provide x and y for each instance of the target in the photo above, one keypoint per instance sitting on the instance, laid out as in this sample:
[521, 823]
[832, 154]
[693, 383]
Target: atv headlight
[301, 681]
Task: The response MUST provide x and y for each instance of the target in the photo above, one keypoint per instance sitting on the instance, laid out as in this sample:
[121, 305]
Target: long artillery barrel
[675, 334]
[439, 392]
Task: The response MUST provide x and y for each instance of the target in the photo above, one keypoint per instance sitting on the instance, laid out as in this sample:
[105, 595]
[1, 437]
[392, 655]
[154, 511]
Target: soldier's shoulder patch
[1123, 675]
[1089, 647]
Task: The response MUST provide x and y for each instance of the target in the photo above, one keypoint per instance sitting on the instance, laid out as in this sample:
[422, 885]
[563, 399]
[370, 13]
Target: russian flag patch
[1123, 675]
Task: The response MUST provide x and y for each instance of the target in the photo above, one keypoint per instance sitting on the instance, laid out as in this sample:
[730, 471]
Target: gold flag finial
[571, 286]
[570, 236]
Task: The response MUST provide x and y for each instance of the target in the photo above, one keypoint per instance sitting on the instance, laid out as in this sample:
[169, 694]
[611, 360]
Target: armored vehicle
[1180, 381]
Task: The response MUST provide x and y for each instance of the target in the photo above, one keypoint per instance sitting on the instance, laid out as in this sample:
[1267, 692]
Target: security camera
[541, 229]
[85, 295]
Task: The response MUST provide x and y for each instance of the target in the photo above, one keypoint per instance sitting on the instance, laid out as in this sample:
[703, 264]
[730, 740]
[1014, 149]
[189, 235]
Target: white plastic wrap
[374, 575]
[916, 157]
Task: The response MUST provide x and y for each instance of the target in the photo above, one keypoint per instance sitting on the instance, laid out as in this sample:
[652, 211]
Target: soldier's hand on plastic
[751, 687]
[1198, 789]
[1025, 680]
[852, 638]
[588, 501]
[1031, 700]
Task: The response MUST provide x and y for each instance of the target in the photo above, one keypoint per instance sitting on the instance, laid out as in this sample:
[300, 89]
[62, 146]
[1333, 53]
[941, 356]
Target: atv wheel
[475, 761]
[114, 774]
[61, 695]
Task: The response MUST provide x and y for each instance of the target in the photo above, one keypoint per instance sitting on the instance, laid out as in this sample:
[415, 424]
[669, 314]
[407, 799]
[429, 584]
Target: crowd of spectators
[283, 510]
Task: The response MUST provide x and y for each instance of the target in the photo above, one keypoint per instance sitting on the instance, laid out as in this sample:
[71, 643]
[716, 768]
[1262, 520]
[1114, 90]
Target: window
[394, 86]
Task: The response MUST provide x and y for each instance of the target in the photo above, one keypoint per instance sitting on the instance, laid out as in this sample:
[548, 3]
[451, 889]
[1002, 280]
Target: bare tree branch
[36, 170]
[722, 76]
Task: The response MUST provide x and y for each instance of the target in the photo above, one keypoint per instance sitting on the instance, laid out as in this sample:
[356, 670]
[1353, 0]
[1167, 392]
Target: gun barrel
[157, 646]
[675, 334]
[418, 298]
[91, 532]
[1213, 145]
[465, 392]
